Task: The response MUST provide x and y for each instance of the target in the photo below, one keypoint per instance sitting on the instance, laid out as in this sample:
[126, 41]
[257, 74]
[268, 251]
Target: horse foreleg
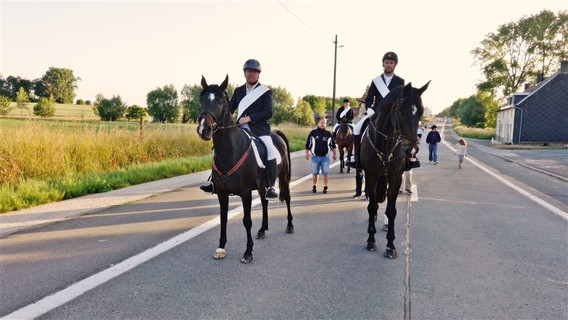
[261, 234]
[220, 253]
[341, 160]
[247, 222]
[390, 212]
[372, 208]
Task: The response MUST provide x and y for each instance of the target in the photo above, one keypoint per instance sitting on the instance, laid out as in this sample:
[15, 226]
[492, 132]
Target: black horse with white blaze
[391, 131]
[235, 167]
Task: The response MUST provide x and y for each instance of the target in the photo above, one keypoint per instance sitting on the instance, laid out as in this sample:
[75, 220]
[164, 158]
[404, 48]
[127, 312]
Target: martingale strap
[236, 166]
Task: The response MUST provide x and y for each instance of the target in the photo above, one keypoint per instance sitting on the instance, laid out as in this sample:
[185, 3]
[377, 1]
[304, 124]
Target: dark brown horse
[390, 132]
[344, 143]
[236, 171]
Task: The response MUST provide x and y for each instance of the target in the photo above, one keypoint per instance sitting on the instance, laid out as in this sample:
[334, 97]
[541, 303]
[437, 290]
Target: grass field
[62, 111]
[46, 160]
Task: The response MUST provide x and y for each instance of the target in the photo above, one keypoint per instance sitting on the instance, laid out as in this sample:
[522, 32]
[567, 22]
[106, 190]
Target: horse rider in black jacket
[253, 102]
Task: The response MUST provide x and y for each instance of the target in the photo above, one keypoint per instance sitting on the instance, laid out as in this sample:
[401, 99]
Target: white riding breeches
[270, 149]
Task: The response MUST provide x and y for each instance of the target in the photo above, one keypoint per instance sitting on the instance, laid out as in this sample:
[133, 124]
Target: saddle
[259, 148]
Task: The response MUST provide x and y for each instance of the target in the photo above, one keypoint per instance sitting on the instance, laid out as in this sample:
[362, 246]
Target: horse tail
[285, 185]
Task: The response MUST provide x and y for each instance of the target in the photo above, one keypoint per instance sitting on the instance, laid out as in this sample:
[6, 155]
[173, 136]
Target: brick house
[537, 115]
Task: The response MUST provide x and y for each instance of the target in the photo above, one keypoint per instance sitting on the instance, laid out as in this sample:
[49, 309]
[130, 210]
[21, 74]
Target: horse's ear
[407, 89]
[421, 90]
[225, 83]
[204, 82]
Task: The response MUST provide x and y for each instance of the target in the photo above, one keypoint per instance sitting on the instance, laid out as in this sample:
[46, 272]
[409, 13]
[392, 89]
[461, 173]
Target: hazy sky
[129, 48]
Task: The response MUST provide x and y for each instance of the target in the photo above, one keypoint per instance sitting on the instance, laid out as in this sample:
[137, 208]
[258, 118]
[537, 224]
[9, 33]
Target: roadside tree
[163, 104]
[22, 98]
[44, 108]
[59, 83]
[5, 106]
[109, 109]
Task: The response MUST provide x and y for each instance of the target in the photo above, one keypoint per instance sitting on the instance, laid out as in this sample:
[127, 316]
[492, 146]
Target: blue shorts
[320, 164]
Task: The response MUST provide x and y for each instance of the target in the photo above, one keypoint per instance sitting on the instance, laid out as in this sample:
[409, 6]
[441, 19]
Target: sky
[130, 48]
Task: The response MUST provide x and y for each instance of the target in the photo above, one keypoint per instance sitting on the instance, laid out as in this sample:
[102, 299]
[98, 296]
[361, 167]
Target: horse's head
[213, 108]
[407, 112]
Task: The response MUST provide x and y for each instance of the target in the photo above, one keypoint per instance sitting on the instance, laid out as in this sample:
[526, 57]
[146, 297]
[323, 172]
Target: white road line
[77, 289]
[525, 193]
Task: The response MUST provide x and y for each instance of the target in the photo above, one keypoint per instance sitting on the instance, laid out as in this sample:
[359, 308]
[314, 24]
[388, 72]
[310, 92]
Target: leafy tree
[282, 105]
[109, 109]
[80, 102]
[21, 98]
[135, 112]
[319, 104]
[190, 103]
[5, 105]
[59, 83]
[163, 104]
[44, 108]
[303, 113]
[472, 112]
[10, 86]
[520, 50]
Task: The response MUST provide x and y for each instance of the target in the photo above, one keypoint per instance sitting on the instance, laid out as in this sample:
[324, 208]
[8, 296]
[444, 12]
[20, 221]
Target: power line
[302, 21]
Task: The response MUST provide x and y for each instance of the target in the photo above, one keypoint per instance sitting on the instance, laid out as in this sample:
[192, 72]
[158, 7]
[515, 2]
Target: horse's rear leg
[341, 160]
[247, 222]
[220, 253]
[261, 234]
[285, 195]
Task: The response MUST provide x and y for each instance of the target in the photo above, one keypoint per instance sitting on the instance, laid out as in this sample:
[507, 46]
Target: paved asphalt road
[477, 243]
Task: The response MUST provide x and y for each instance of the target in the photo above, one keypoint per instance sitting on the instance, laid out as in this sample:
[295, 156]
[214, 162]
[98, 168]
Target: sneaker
[435, 162]
[325, 189]
[207, 187]
[314, 189]
[408, 190]
[271, 194]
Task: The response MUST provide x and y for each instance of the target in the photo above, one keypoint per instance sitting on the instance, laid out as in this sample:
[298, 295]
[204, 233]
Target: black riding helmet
[252, 64]
[391, 55]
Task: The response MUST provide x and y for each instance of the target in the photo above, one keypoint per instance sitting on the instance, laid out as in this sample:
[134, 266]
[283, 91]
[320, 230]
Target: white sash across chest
[251, 97]
[381, 86]
[344, 112]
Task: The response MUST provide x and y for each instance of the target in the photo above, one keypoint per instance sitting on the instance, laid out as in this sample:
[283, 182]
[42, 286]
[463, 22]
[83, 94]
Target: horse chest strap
[235, 167]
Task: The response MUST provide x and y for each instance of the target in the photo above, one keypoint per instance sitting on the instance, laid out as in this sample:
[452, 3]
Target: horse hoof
[246, 258]
[261, 235]
[390, 253]
[220, 253]
[289, 229]
[371, 246]
[385, 227]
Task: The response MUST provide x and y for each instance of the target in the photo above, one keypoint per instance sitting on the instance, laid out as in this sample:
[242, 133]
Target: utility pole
[332, 120]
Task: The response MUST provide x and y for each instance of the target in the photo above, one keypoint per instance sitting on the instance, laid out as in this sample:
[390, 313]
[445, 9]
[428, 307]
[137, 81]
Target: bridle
[217, 122]
[395, 137]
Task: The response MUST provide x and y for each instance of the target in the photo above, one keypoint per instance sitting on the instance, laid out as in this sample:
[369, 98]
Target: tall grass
[38, 150]
[42, 161]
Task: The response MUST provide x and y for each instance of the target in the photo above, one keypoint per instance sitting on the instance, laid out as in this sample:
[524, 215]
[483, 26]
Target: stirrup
[208, 187]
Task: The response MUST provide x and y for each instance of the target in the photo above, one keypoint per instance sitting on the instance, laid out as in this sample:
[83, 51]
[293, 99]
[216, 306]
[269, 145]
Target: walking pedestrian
[432, 139]
[318, 145]
[461, 151]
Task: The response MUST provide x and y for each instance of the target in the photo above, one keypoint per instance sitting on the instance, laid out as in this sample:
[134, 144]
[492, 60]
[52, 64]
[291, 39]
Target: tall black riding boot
[358, 183]
[355, 163]
[271, 176]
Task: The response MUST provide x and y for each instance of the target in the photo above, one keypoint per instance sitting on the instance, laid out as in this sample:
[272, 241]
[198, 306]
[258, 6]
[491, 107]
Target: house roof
[541, 84]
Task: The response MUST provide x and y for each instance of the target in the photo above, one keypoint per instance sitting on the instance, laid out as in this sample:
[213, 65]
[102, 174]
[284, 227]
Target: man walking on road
[432, 140]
